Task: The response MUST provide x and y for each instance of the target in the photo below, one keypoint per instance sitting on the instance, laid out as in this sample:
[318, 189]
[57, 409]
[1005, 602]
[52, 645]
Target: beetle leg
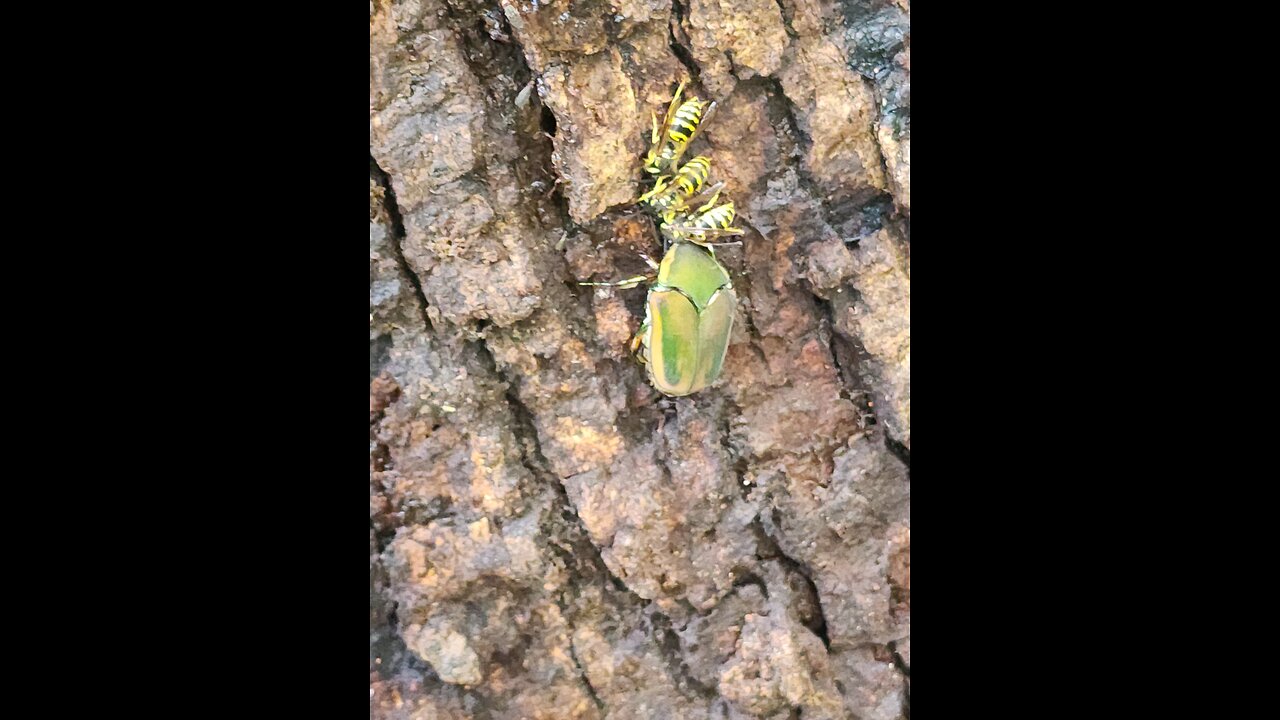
[668, 407]
[625, 284]
[636, 340]
[649, 261]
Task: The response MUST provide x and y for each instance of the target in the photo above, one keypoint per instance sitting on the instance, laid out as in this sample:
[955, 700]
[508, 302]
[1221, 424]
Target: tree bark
[549, 537]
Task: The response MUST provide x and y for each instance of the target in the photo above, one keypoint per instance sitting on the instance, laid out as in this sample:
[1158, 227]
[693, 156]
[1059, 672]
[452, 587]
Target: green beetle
[688, 318]
[688, 314]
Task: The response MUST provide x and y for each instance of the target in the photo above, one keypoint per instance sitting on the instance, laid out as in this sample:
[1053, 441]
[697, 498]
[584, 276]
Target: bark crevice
[398, 233]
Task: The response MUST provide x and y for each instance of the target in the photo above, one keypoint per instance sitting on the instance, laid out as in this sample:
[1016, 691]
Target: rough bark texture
[549, 538]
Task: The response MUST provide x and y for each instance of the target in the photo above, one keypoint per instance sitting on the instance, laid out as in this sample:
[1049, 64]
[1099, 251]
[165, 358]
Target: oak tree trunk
[549, 537]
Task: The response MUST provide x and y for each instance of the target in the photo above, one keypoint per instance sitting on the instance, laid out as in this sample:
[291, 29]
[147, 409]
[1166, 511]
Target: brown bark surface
[549, 537]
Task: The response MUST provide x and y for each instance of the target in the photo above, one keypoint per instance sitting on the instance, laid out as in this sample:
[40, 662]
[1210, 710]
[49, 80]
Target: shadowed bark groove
[396, 227]
[549, 538]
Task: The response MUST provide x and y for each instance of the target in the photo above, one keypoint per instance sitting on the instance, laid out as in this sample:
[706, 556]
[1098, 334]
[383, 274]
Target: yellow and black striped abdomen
[686, 120]
[693, 175]
[688, 181]
[717, 217]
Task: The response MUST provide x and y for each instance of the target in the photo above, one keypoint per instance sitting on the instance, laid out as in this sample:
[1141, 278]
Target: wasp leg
[662, 183]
